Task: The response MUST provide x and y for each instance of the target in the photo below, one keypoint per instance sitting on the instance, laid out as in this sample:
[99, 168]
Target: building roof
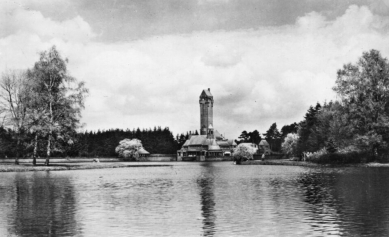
[229, 142]
[217, 134]
[143, 151]
[196, 140]
[206, 93]
[264, 143]
[186, 143]
[202, 140]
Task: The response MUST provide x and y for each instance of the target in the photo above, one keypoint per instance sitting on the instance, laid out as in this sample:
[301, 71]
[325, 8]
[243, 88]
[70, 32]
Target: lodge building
[210, 143]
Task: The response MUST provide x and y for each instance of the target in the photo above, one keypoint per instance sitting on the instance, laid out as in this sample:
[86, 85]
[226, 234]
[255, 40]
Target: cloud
[34, 23]
[257, 76]
[220, 56]
[380, 6]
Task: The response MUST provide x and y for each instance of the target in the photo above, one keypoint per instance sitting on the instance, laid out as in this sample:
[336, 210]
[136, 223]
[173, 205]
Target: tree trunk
[50, 134]
[17, 151]
[35, 149]
[48, 151]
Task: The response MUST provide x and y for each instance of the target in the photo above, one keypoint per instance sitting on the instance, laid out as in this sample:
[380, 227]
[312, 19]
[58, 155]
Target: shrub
[330, 147]
[244, 151]
[289, 146]
[340, 158]
[315, 156]
[128, 149]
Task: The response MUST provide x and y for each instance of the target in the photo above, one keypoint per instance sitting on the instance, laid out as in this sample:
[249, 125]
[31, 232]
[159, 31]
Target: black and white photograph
[194, 118]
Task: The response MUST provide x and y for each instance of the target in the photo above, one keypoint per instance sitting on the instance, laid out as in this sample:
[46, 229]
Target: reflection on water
[206, 183]
[196, 199]
[356, 200]
[42, 206]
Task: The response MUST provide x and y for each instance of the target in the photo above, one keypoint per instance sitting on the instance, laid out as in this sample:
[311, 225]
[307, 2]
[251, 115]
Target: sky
[146, 62]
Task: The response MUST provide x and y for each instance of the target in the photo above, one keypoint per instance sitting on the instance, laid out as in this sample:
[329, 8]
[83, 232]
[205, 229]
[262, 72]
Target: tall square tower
[206, 112]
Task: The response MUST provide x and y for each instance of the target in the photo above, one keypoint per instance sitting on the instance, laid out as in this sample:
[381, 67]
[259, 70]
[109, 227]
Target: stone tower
[206, 113]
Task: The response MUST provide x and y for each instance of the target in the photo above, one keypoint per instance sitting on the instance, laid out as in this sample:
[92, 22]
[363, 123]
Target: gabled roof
[223, 143]
[206, 93]
[264, 143]
[186, 143]
[229, 142]
[196, 140]
[143, 151]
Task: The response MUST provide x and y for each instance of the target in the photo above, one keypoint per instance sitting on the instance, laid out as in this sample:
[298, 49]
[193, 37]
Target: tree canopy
[363, 89]
[60, 97]
[359, 120]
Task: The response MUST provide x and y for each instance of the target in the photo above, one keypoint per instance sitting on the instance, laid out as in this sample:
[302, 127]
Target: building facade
[210, 143]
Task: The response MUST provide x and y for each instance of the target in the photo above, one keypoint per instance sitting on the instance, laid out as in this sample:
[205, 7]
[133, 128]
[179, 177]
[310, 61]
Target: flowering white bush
[244, 151]
[289, 146]
[312, 156]
[128, 148]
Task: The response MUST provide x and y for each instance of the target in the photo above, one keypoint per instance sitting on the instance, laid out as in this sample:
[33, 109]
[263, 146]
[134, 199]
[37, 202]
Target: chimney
[209, 89]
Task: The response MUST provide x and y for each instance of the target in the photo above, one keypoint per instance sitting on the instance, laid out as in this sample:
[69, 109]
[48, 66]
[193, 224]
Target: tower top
[206, 93]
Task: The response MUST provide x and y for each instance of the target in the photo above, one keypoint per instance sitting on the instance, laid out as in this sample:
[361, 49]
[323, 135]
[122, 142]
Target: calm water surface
[196, 199]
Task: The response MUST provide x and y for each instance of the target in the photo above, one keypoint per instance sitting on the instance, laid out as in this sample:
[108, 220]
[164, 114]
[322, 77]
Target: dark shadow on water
[357, 198]
[206, 185]
[44, 206]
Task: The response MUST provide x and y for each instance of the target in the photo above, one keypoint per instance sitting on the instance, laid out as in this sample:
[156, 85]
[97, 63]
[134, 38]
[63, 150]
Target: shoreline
[63, 166]
[310, 164]
[109, 163]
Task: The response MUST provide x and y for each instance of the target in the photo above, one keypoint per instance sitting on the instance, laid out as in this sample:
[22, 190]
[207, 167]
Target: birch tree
[60, 95]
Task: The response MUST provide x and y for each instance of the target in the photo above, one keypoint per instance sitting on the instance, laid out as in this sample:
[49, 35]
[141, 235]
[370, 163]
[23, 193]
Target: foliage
[128, 148]
[244, 137]
[42, 102]
[364, 89]
[286, 129]
[244, 151]
[272, 133]
[59, 98]
[341, 158]
[330, 147]
[249, 137]
[92, 144]
[273, 137]
[308, 141]
[315, 156]
[255, 137]
[289, 146]
[14, 102]
[349, 149]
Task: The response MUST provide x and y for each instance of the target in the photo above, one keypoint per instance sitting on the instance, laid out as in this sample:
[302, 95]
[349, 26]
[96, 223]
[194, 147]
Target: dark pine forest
[92, 143]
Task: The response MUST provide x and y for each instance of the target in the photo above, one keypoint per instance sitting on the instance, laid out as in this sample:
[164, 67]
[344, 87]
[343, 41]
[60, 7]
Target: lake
[196, 199]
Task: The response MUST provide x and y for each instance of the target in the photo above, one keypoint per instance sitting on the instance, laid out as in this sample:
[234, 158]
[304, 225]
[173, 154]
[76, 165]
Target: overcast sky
[146, 62]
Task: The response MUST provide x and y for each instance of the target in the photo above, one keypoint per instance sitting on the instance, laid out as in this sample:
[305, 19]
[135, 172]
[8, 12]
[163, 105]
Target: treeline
[273, 136]
[354, 128]
[91, 144]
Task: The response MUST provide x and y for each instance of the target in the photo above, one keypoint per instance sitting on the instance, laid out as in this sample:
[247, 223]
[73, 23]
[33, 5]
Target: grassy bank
[311, 164]
[56, 166]
[280, 162]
